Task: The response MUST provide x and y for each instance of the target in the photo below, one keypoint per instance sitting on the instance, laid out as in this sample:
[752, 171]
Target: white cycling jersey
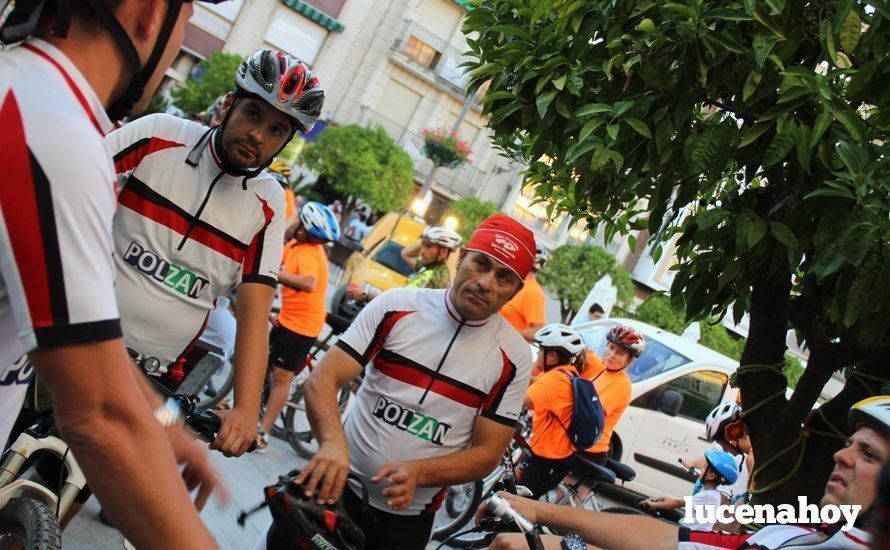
[57, 203]
[771, 537]
[185, 233]
[430, 375]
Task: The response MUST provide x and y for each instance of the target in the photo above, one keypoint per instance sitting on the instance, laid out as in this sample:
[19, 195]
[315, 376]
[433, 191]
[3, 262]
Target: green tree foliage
[572, 271]
[470, 212]
[362, 164]
[758, 131]
[660, 312]
[215, 76]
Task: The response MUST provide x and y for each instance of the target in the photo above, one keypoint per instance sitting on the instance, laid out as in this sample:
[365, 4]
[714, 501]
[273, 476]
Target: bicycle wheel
[218, 387]
[459, 507]
[296, 423]
[29, 524]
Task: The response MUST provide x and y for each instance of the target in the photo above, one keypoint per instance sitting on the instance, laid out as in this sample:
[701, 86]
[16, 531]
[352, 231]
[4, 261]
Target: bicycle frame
[15, 457]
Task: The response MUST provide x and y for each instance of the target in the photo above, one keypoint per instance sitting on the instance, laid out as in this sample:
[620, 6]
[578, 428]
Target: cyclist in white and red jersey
[57, 202]
[444, 384]
[198, 215]
[853, 481]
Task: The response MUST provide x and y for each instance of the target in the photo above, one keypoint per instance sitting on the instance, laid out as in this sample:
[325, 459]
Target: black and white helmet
[283, 82]
[560, 337]
[541, 256]
[441, 236]
[723, 415]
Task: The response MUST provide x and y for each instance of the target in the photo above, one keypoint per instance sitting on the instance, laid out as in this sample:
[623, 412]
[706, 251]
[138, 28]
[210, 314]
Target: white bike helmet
[319, 221]
[541, 256]
[285, 83]
[441, 236]
[723, 415]
[560, 337]
[874, 411]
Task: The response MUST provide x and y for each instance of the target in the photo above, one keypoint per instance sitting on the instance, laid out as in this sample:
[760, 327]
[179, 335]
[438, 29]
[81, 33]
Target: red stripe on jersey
[421, 380]
[254, 256]
[173, 220]
[717, 539]
[176, 370]
[390, 319]
[436, 503]
[74, 89]
[133, 155]
[508, 371]
[18, 200]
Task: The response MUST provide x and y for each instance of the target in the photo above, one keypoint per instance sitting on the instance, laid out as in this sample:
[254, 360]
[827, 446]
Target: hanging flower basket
[444, 148]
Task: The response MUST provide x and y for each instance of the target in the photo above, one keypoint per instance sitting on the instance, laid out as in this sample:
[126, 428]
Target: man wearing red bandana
[444, 386]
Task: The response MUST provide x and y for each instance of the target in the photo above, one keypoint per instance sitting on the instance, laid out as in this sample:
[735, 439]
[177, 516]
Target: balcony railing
[433, 53]
[464, 181]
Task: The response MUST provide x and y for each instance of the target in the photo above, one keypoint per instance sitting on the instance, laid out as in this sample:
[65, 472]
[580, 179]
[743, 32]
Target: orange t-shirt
[553, 402]
[527, 307]
[304, 312]
[614, 390]
[290, 203]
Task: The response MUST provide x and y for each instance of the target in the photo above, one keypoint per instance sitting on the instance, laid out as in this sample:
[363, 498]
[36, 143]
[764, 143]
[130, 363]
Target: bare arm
[129, 463]
[490, 438]
[306, 283]
[411, 253]
[613, 531]
[239, 426]
[329, 467]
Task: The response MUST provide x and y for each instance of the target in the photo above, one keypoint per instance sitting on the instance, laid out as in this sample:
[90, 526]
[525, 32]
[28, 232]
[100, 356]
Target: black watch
[573, 542]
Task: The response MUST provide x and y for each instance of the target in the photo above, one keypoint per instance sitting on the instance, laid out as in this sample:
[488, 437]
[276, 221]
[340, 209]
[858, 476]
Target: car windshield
[390, 256]
[656, 359]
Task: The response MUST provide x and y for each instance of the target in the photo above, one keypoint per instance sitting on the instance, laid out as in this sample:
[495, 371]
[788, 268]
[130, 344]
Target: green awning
[315, 14]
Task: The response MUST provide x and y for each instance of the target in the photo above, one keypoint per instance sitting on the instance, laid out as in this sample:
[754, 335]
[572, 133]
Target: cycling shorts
[288, 350]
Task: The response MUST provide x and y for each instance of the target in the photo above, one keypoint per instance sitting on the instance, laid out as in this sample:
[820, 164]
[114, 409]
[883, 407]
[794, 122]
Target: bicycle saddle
[622, 471]
[592, 472]
[337, 323]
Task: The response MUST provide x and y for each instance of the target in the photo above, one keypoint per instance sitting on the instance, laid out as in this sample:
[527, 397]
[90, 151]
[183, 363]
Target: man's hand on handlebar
[524, 506]
[197, 471]
[237, 432]
[325, 475]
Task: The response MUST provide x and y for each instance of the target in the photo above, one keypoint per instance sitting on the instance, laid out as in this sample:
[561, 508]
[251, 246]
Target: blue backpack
[588, 416]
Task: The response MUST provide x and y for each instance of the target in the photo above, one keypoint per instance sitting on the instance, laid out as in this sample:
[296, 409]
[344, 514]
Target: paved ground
[245, 477]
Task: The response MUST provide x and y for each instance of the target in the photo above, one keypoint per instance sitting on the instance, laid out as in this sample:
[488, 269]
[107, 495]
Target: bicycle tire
[32, 522]
[301, 440]
[463, 517]
[224, 390]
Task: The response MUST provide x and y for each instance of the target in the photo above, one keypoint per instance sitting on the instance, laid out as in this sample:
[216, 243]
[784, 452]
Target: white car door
[662, 440]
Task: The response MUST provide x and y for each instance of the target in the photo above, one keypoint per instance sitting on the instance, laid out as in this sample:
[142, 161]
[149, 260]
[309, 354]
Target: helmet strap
[141, 74]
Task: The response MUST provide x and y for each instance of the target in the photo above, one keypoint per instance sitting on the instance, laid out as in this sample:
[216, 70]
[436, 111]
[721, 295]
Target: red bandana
[507, 241]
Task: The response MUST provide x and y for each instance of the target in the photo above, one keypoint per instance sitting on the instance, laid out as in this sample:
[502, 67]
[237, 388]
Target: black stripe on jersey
[394, 357]
[144, 192]
[136, 145]
[258, 253]
[78, 333]
[351, 352]
[500, 395]
[52, 256]
[511, 422]
[262, 279]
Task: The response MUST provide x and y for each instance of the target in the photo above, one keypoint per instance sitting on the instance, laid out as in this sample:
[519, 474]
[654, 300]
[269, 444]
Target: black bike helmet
[300, 522]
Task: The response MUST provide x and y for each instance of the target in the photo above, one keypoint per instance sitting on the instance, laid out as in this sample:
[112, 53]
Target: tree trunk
[766, 346]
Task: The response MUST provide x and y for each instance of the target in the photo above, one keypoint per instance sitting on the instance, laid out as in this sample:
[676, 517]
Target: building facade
[393, 64]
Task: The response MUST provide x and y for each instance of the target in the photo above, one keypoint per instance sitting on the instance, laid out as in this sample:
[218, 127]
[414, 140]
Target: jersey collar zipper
[435, 375]
[197, 216]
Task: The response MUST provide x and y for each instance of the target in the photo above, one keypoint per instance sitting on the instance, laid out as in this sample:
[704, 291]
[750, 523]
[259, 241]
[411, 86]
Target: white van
[658, 429]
